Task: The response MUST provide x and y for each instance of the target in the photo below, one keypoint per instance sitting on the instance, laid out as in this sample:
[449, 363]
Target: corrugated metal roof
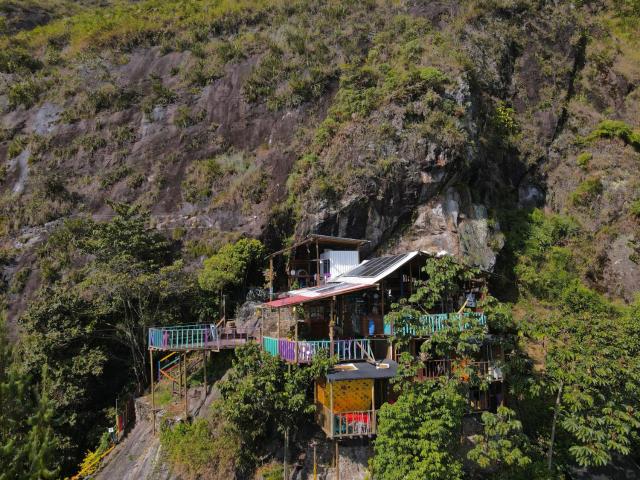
[306, 295]
[372, 271]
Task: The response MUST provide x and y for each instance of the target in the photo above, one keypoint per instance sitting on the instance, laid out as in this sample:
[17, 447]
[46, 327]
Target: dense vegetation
[356, 118]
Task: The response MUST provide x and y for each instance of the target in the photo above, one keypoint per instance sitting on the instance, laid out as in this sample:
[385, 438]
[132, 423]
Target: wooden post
[278, 325]
[373, 407]
[153, 394]
[271, 278]
[186, 399]
[330, 408]
[410, 280]
[204, 367]
[318, 262]
[337, 461]
[295, 345]
[180, 376]
[332, 324]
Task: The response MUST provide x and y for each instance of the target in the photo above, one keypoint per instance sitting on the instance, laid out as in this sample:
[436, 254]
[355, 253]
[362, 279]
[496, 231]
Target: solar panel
[374, 267]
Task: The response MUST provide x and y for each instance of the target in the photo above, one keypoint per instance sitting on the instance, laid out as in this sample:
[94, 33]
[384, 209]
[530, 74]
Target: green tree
[418, 434]
[502, 448]
[26, 436]
[112, 280]
[232, 265]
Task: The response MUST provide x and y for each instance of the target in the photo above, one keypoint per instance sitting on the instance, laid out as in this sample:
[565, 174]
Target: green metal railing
[429, 324]
[183, 337]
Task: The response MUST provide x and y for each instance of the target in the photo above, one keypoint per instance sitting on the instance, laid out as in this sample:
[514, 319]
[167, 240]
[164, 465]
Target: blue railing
[429, 324]
[355, 349]
[183, 337]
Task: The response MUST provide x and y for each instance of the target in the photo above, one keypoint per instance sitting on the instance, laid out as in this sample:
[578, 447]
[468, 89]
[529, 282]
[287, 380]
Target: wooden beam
[295, 345]
[318, 262]
[153, 394]
[271, 278]
[186, 399]
[204, 368]
[332, 324]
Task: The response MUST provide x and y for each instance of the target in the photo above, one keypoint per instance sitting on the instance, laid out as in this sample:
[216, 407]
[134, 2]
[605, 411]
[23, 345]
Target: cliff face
[413, 124]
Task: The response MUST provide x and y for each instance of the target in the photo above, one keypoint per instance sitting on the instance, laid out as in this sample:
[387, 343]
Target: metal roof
[364, 370]
[374, 270]
[305, 295]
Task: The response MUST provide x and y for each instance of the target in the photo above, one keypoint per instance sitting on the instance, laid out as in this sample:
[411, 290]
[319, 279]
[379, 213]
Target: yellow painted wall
[348, 395]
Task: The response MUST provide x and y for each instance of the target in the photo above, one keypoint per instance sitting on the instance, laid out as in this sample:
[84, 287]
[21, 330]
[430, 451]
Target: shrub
[586, 191]
[15, 60]
[635, 208]
[114, 176]
[200, 179]
[26, 92]
[16, 147]
[184, 118]
[583, 160]
[616, 129]
[91, 143]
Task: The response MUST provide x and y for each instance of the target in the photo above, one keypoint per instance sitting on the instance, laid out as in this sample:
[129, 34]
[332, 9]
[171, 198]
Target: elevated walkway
[206, 336]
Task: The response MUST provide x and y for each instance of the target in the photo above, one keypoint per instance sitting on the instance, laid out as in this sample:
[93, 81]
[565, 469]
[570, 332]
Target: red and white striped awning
[306, 295]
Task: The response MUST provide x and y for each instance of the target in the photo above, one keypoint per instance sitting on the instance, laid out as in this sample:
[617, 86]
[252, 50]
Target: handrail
[353, 349]
[435, 322]
[179, 337]
[356, 423]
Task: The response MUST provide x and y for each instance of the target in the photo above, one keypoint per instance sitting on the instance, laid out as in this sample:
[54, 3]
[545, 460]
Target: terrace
[207, 336]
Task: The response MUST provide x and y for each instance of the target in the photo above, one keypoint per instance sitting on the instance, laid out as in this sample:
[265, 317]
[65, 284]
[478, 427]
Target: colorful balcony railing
[183, 337]
[360, 423]
[432, 323]
[344, 350]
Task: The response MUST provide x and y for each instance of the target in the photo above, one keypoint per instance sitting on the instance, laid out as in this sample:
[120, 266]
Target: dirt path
[136, 457]
[139, 455]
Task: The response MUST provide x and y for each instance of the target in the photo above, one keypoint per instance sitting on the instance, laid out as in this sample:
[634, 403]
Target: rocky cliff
[413, 124]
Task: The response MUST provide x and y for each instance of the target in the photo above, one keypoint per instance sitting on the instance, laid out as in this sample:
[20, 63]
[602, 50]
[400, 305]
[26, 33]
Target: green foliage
[586, 192]
[206, 445]
[26, 435]
[109, 281]
[17, 60]
[505, 118]
[185, 118]
[583, 160]
[418, 434]
[502, 447]
[161, 96]
[634, 209]
[616, 129]
[112, 177]
[25, 92]
[232, 265]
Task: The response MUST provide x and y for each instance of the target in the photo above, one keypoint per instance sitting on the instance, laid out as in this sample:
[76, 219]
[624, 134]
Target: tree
[26, 436]
[502, 448]
[418, 434]
[232, 265]
[89, 324]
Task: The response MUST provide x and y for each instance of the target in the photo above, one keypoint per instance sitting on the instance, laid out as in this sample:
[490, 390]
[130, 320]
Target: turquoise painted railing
[343, 349]
[182, 337]
[435, 322]
[270, 345]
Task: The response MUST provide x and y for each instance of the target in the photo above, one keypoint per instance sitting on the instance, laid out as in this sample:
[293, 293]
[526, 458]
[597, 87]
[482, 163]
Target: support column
[153, 394]
[186, 399]
[295, 345]
[332, 325]
[337, 460]
[318, 262]
[204, 368]
[271, 278]
[372, 420]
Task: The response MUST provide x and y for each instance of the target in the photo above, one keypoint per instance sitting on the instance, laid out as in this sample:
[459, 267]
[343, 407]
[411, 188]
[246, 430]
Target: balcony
[432, 323]
[361, 423]
[488, 369]
[303, 351]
